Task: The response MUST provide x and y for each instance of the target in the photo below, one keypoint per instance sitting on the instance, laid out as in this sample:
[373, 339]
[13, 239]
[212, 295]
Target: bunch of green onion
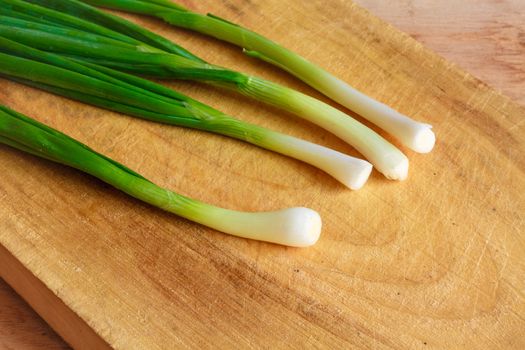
[125, 93]
[88, 34]
[415, 135]
[72, 49]
[298, 227]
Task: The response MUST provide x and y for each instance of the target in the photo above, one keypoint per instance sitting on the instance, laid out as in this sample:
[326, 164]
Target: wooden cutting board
[436, 261]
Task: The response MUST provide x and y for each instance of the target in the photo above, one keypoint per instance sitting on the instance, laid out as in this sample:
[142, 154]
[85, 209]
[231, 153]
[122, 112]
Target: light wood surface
[434, 262]
[484, 37]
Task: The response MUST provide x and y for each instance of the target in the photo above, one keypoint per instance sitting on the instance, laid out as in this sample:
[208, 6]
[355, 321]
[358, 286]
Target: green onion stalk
[128, 94]
[415, 135]
[298, 227]
[70, 28]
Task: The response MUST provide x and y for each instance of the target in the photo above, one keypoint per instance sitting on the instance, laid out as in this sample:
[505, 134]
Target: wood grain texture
[21, 327]
[434, 262]
[485, 37]
[72, 328]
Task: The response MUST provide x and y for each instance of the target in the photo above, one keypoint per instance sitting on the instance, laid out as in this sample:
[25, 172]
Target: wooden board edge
[73, 329]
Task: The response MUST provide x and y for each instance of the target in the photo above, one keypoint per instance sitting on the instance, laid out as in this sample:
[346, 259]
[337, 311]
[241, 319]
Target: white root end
[396, 168]
[417, 136]
[350, 171]
[295, 227]
[413, 134]
[424, 139]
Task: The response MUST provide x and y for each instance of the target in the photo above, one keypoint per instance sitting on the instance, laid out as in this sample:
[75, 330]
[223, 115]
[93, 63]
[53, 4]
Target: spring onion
[135, 96]
[80, 38]
[297, 227]
[415, 135]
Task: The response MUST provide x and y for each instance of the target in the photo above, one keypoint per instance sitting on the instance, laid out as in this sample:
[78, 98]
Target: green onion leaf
[143, 60]
[297, 227]
[415, 135]
[135, 96]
